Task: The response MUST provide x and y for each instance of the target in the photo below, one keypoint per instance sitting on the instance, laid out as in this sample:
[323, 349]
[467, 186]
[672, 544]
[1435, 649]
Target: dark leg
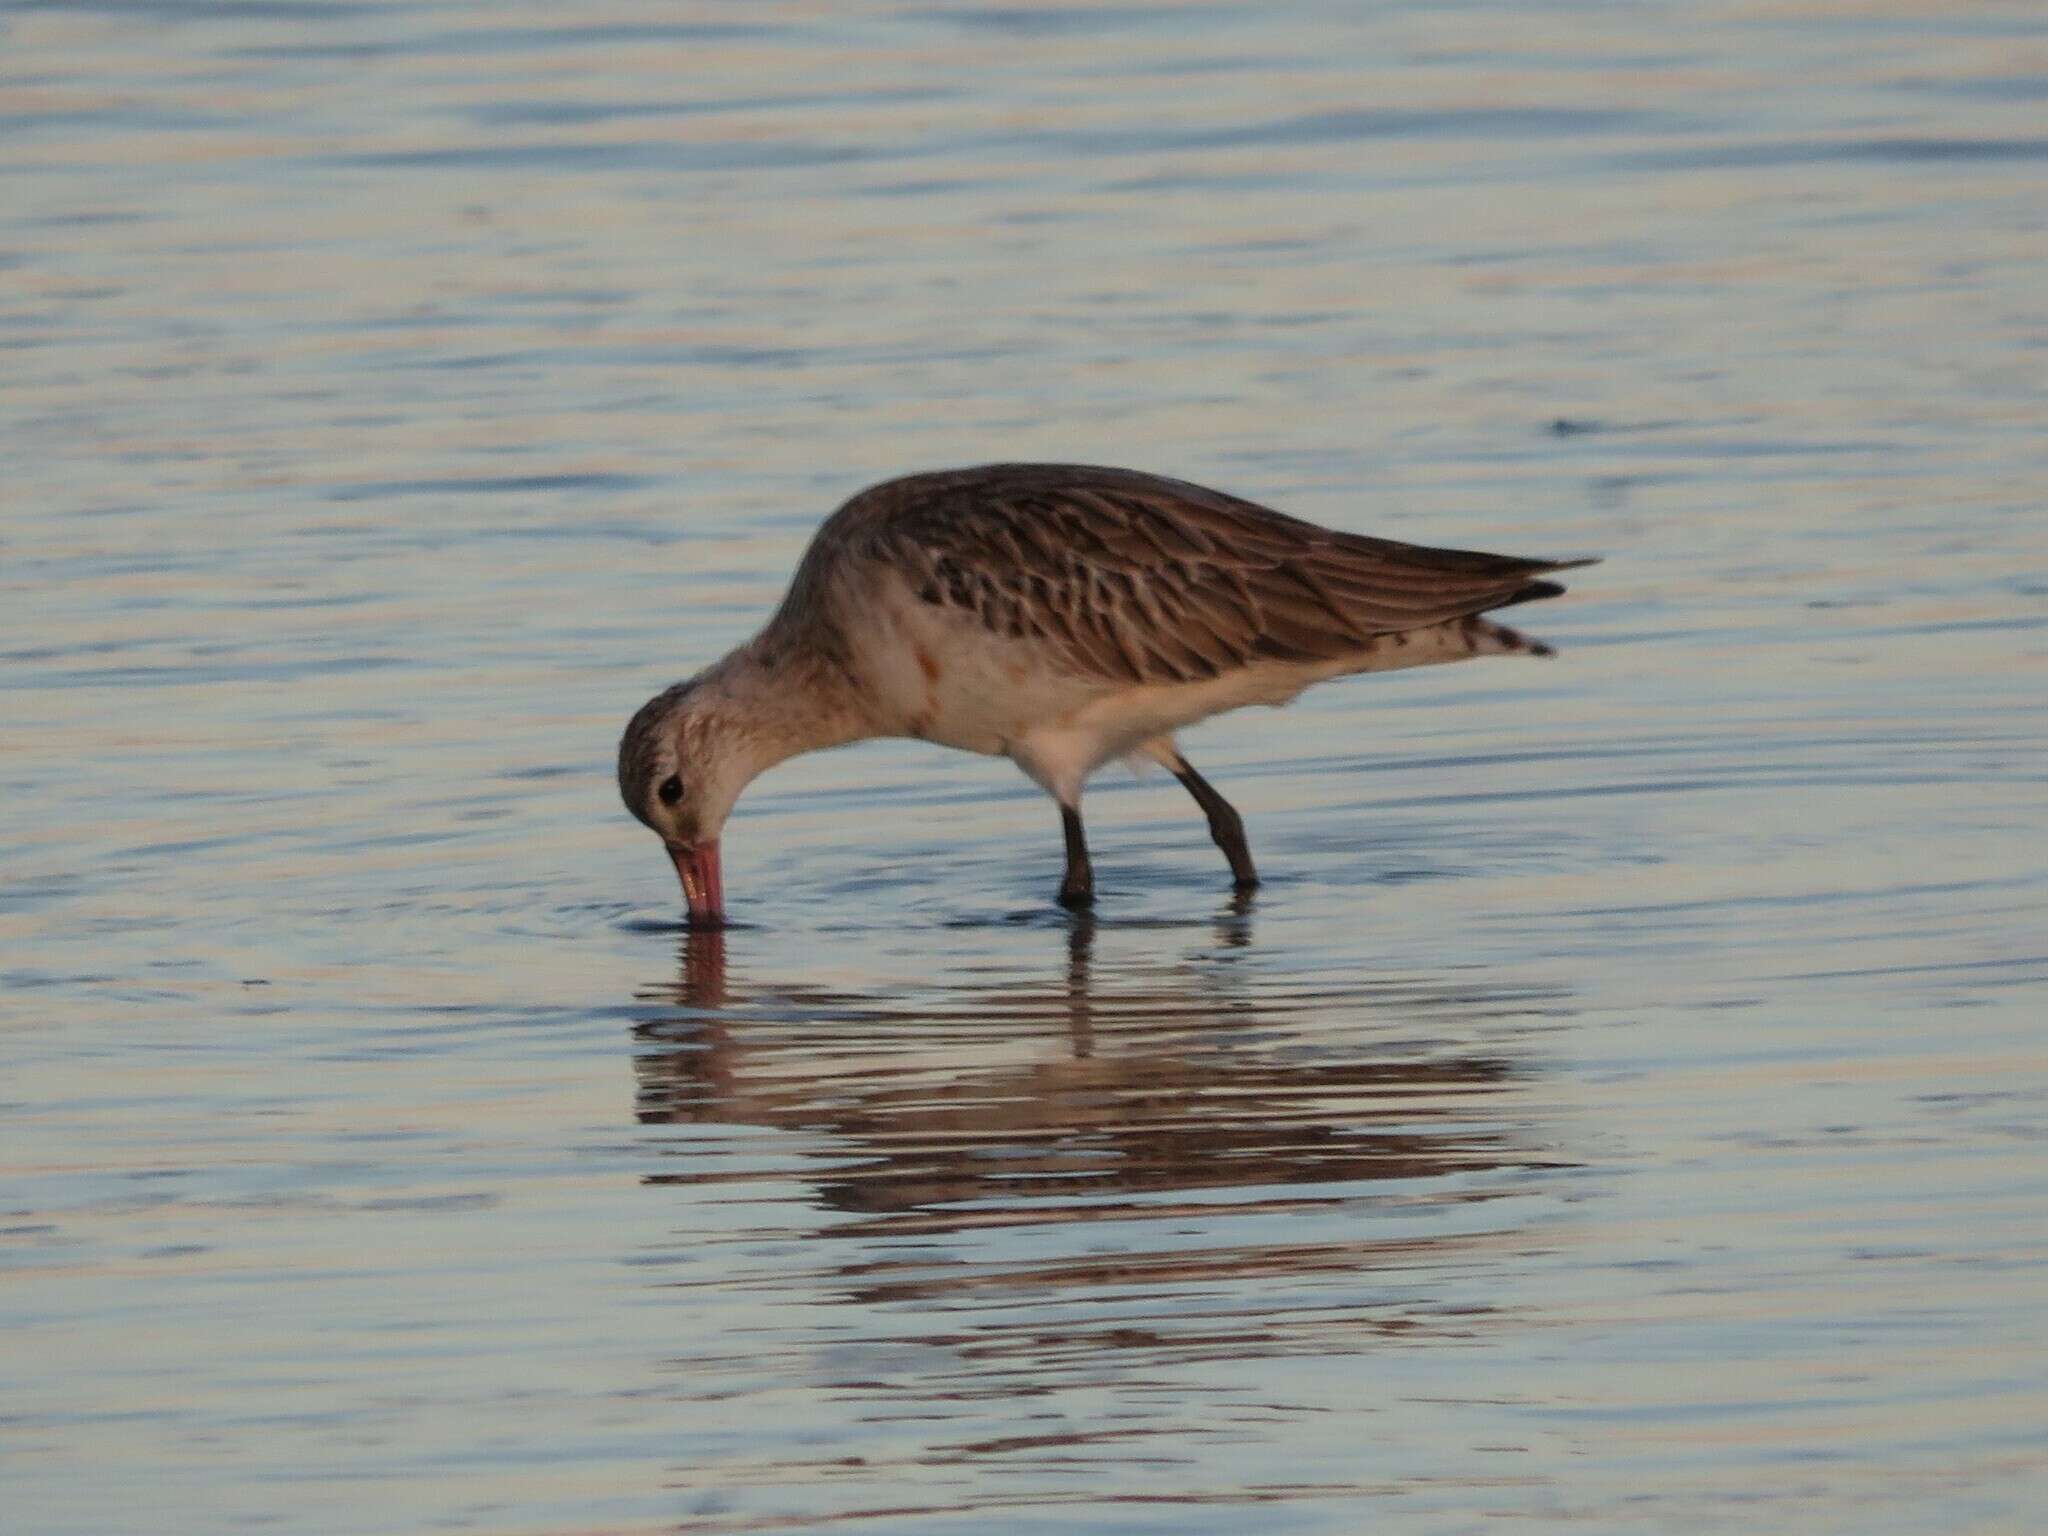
[1078, 889]
[1225, 825]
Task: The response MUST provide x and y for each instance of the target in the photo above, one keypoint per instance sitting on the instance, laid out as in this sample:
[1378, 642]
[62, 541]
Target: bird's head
[680, 770]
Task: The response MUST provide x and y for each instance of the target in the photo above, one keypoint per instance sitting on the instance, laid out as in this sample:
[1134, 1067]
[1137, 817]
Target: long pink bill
[703, 886]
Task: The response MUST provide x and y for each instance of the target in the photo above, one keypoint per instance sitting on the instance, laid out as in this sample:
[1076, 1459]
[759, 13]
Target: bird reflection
[1081, 1099]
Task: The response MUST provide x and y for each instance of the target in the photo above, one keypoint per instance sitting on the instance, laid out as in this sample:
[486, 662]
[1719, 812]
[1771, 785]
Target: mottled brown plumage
[1136, 578]
[1061, 615]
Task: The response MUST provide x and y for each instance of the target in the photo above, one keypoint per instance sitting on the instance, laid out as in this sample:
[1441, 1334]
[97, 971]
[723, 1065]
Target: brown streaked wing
[1138, 578]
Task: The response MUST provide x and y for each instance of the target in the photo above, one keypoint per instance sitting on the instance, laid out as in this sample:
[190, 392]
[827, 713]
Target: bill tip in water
[697, 867]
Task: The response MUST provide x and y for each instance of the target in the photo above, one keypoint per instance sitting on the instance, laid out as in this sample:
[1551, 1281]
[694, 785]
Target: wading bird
[1061, 616]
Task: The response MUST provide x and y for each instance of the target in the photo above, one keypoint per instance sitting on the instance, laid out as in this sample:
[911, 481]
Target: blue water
[1623, 1105]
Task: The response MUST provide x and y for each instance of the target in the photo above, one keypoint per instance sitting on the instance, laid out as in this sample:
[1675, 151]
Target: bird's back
[1136, 578]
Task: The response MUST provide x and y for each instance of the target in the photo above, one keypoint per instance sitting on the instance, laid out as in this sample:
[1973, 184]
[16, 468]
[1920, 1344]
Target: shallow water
[1625, 1102]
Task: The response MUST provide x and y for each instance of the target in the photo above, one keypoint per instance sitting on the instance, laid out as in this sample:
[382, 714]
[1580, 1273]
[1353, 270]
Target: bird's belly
[1061, 752]
[933, 675]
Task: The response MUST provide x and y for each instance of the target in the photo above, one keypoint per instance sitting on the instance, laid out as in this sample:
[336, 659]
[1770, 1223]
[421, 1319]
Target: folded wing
[1137, 578]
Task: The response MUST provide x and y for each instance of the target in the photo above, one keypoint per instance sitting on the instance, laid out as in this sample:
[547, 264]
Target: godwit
[1058, 615]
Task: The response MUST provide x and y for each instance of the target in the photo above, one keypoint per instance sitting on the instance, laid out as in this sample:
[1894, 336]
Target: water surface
[1622, 1106]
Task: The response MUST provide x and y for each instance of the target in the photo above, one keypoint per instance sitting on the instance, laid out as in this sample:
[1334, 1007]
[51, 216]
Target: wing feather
[1137, 578]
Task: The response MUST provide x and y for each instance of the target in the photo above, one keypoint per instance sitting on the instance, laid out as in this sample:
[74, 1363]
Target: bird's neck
[784, 700]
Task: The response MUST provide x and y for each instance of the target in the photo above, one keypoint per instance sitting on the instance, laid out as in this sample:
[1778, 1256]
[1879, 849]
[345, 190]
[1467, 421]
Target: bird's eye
[671, 789]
